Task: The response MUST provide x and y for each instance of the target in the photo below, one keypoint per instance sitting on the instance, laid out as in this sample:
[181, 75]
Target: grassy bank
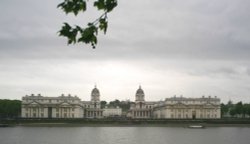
[119, 122]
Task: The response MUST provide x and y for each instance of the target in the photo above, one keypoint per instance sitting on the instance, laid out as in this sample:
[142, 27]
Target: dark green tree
[86, 34]
[224, 109]
[10, 108]
[232, 112]
[103, 104]
[239, 108]
[248, 109]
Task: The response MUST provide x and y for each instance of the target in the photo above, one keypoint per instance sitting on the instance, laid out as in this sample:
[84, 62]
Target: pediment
[209, 104]
[33, 103]
[64, 104]
[180, 104]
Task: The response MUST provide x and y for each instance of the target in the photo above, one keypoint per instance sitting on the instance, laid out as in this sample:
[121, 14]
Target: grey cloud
[198, 39]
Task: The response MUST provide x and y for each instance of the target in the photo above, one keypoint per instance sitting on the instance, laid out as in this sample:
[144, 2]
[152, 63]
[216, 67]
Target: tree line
[124, 105]
[10, 108]
[238, 110]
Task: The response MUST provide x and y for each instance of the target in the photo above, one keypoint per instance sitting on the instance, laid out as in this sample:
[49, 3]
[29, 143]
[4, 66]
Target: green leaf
[73, 6]
[103, 25]
[100, 4]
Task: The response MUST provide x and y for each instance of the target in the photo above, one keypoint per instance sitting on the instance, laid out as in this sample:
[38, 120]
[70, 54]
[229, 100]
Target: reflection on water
[124, 135]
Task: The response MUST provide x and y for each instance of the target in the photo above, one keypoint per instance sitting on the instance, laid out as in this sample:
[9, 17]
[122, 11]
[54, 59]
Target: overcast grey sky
[170, 47]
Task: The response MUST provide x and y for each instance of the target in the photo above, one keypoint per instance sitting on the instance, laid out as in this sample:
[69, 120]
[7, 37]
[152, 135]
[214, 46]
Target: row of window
[187, 116]
[195, 102]
[201, 110]
[49, 101]
[65, 115]
[42, 109]
[141, 113]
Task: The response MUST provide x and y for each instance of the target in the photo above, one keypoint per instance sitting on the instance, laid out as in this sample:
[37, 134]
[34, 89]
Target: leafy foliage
[10, 108]
[124, 105]
[103, 104]
[87, 35]
[239, 109]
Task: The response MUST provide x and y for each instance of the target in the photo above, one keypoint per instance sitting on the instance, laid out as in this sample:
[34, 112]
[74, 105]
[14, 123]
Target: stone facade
[92, 109]
[62, 106]
[112, 112]
[72, 107]
[175, 108]
[141, 108]
[51, 107]
[188, 108]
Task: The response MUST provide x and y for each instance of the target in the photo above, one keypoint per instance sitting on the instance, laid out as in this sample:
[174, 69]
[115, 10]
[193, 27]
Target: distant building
[92, 109]
[51, 107]
[175, 108]
[141, 108]
[72, 107]
[61, 106]
[188, 108]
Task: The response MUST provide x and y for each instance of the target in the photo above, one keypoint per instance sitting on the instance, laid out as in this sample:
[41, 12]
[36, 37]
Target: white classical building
[175, 108]
[112, 112]
[37, 106]
[51, 107]
[188, 108]
[72, 107]
[141, 108]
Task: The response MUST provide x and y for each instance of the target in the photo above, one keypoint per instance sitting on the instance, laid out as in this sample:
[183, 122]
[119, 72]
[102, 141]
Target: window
[73, 115]
[57, 115]
[34, 115]
[49, 101]
[42, 109]
[26, 109]
[179, 115]
[65, 110]
[73, 109]
[26, 115]
[172, 115]
[57, 109]
[42, 115]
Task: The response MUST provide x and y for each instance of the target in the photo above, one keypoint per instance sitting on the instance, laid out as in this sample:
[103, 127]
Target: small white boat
[196, 126]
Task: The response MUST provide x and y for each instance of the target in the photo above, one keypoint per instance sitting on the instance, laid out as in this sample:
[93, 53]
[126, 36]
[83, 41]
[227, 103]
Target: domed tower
[95, 94]
[139, 96]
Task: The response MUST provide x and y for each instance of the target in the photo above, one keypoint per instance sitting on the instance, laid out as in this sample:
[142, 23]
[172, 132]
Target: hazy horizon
[190, 48]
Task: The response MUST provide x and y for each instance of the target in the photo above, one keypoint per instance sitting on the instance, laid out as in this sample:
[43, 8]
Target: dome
[139, 96]
[95, 91]
[139, 91]
[95, 94]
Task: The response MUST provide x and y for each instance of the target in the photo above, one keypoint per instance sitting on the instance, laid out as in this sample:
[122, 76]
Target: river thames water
[124, 135]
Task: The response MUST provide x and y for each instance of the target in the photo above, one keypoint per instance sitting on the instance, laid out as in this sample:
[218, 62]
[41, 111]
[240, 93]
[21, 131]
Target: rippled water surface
[124, 135]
